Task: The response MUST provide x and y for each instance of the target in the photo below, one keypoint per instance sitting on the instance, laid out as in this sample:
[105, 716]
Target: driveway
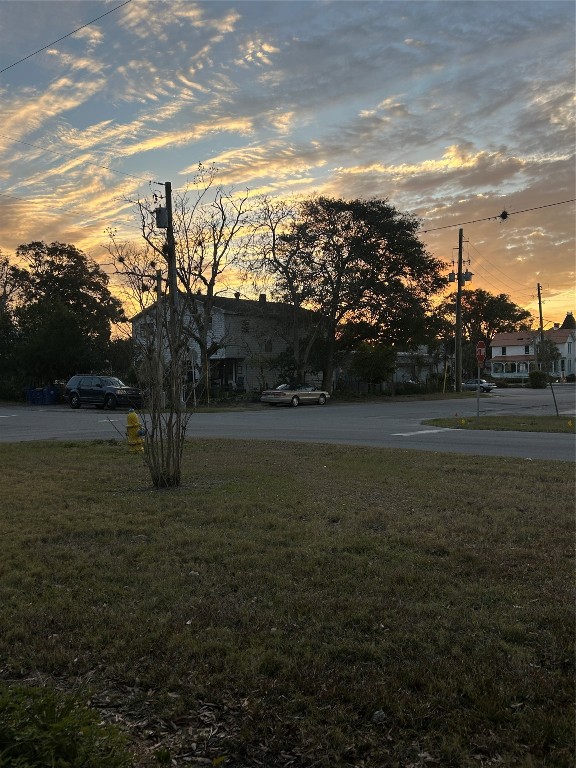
[389, 424]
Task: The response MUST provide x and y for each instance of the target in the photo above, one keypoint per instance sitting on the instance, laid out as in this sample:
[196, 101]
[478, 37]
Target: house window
[569, 347]
[527, 349]
[503, 350]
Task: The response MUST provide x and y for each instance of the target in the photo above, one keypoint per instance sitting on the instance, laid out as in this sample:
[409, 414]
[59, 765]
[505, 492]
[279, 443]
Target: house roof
[513, 339]
[237, 306]
[557, 335]
[560, 335]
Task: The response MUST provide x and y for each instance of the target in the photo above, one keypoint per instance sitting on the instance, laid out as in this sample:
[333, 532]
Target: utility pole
[171, 253]
[540, 311]
[458, 363]
[543, 353]
[176, 383]
[159, 355]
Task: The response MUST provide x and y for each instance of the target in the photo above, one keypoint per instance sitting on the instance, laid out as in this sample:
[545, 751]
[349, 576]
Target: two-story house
[515, 354]
[249, 338]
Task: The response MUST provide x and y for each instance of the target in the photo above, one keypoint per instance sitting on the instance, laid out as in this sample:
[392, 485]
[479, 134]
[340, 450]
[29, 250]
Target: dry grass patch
[525, 423]
[297, 604]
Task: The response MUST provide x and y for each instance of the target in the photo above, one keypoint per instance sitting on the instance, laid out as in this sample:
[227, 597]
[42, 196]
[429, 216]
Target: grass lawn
[525, 423]
[296, 604]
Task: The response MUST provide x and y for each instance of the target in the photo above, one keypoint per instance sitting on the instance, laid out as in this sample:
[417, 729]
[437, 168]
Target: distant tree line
[358, 264]
[56, 317]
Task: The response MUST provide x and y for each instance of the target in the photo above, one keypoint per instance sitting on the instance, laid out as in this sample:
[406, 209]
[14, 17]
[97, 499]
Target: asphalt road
[380, 424]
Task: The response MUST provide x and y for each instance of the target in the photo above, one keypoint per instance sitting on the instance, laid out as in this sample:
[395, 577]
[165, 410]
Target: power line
[484, 259]
[29, 56]
[75, 157]
[503, 216]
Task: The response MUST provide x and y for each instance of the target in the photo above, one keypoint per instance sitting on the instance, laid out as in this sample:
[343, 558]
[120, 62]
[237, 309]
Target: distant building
[249, 336]
[514, 355]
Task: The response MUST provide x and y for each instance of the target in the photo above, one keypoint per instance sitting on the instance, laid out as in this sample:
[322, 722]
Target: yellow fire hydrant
[134, 432]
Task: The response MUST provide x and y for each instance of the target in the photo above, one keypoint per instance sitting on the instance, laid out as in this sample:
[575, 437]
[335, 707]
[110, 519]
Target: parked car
[294, 395]
[101, 391]
[473, 384]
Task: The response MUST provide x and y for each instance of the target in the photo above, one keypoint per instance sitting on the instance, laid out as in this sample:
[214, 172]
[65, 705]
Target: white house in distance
[514, 354]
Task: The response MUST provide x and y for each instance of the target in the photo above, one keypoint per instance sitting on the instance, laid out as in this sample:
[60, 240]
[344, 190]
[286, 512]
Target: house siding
[252, 335]
[509, 358]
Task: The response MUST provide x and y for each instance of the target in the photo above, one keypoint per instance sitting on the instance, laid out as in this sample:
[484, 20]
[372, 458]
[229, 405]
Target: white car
[294, 395]
[474, 384]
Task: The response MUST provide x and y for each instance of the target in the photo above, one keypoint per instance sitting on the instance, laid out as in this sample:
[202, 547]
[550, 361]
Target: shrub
[538, 379]
[40, 728]
[409, 388]
[571, 377]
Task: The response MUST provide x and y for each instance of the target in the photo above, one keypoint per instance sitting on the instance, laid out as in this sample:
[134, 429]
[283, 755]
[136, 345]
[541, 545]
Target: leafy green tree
[483, 316]
[547, 353]
[63, 311]
[50, 342]
[120, 359]
[373, 363]
[277, 250]
[7, 328]
[361, 267]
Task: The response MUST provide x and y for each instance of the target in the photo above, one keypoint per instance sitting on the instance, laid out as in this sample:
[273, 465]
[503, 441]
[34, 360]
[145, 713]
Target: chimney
[237, 295]
[262, 298]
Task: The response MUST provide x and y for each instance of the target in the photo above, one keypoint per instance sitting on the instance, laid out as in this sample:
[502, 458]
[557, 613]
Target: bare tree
[207, 229]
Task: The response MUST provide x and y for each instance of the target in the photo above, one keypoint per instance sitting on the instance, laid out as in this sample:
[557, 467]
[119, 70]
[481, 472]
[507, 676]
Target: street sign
[481, 352]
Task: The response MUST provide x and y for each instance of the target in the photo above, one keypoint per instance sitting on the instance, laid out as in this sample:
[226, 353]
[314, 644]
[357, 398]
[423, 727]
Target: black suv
[101, 391]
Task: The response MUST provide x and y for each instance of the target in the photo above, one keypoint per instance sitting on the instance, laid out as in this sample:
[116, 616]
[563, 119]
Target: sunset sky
[453, 111]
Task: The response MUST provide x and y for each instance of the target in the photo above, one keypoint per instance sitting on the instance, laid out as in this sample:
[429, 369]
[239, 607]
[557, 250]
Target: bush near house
[538, 379]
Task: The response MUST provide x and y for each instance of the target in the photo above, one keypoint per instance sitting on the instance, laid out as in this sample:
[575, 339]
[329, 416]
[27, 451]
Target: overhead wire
[69, 34]
[503, 216]
[483, 257]
[87, 162]
[483, 271]
[68, 154]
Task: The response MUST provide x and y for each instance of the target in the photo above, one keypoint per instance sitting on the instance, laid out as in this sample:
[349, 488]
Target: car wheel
[321, 399]
[110, 402]
[74, 400]
[294, 402]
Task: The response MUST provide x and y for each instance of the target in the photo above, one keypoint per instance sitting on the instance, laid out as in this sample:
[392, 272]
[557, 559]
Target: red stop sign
[481, 352]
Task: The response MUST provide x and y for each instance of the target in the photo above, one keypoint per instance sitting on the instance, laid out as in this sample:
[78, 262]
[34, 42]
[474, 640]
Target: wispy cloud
[450, 110]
